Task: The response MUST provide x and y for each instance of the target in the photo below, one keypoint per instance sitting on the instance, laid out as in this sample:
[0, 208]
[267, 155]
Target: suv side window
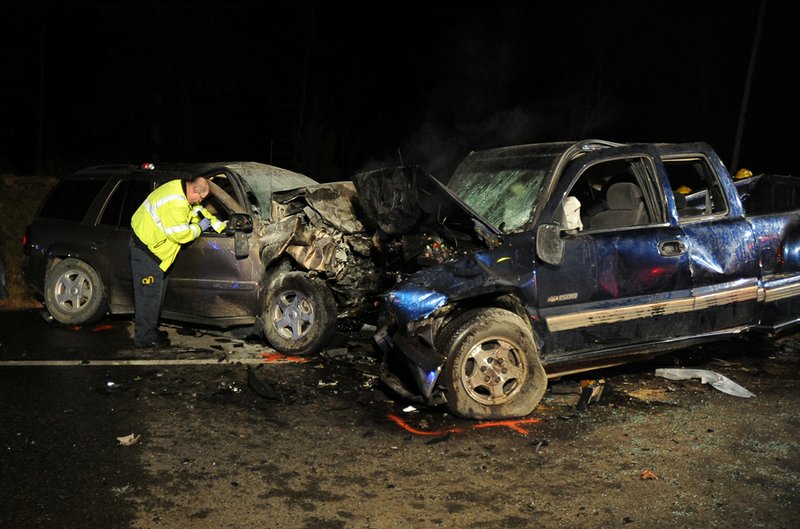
[71, 199]
[123, 202]
[114, 205]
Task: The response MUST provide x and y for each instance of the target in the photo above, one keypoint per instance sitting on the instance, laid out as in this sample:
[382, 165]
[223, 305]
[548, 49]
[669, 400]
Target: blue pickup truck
[577, 256]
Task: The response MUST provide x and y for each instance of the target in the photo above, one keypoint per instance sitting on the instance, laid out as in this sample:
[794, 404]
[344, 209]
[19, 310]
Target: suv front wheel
[74, 294]
[300, 313]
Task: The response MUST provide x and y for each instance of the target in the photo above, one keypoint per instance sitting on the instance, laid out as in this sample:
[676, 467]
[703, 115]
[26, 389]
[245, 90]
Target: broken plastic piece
[720, 382]
[592, 391]
[128, 440]
[647, 474]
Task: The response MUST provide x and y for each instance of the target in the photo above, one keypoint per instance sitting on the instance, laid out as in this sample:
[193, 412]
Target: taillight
[26, 241]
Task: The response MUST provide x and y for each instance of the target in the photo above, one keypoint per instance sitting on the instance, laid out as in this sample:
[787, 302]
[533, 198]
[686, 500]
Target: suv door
[127, 195]
[207, 283]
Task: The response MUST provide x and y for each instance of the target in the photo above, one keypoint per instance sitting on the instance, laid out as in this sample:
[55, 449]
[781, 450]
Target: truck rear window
[71, 199]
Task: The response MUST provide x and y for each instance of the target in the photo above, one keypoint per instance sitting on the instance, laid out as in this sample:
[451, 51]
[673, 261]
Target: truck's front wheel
[299, 315]
[493, 369]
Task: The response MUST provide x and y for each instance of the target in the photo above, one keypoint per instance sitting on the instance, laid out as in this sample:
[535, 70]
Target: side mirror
[239, 225]
[239, 222]
[549, 245]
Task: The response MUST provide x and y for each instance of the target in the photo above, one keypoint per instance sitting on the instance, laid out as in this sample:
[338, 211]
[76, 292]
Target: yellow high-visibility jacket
[166, 220]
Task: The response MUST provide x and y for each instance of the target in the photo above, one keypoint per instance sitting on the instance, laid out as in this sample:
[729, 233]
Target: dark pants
[149, 283]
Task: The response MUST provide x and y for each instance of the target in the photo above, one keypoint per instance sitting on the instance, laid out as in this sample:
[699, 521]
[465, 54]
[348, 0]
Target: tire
[299, 315]
[493, 369]
[74, 294]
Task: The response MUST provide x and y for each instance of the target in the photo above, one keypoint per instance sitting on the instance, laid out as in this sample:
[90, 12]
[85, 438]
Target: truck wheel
[493, 369]
[300, 314]
[74, 294]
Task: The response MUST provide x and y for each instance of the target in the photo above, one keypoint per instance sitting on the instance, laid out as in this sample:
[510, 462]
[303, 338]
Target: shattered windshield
[264, 180]
[502, 190]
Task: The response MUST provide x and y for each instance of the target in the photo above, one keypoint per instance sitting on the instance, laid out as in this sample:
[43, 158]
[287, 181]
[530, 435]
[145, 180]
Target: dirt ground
[343, 454]
[322, 444]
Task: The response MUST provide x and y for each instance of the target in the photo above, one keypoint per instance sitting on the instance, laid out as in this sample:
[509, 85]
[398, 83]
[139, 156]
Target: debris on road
[281, 358]
[128, 440]
[720, 382]
[647, 474]
[593, 391]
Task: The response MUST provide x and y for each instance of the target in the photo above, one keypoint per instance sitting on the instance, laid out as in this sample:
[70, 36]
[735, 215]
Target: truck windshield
[503, 190]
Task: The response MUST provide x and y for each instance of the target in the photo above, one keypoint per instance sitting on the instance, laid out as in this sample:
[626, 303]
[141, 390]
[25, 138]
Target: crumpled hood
[401, 199]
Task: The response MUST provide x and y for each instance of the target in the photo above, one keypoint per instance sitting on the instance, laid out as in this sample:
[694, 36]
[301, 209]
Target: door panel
[626, 280]
[725, 273]
[208, 281]
[617, 289]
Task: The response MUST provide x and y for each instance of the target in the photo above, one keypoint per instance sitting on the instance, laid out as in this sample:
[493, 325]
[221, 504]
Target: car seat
[625, 207]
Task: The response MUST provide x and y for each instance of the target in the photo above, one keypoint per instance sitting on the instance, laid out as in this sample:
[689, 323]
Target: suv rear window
[70, 199]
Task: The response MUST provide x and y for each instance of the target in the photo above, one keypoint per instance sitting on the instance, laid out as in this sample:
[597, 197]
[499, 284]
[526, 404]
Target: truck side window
[695, 187]
[614, 194]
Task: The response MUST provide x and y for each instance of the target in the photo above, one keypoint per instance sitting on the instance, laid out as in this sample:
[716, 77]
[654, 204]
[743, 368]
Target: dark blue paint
[665, 298]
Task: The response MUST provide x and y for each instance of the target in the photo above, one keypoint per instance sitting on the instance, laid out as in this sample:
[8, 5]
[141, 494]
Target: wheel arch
[509, 301]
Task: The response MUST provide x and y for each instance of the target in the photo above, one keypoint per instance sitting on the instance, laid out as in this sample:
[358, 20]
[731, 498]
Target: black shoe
[157, 343]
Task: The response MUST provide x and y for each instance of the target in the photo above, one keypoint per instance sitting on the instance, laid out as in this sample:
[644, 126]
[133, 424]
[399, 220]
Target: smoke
[438, 148]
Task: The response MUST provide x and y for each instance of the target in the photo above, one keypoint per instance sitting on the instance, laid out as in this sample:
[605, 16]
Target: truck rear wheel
[493, 369]
[300, 313]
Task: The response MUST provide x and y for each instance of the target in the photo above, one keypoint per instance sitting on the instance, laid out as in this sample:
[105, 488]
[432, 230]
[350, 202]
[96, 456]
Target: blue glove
[204, 224]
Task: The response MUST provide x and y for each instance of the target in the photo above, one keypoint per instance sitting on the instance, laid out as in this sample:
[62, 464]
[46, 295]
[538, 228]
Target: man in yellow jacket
[170, 217]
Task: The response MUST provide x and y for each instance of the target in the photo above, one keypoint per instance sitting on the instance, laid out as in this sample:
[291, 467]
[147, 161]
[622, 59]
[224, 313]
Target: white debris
[720, 382]
[128, 440]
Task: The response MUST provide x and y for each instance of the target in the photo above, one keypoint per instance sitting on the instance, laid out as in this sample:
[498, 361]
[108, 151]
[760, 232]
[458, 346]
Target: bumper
[412, 355]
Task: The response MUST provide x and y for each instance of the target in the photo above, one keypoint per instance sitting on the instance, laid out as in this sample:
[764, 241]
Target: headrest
[623, 195]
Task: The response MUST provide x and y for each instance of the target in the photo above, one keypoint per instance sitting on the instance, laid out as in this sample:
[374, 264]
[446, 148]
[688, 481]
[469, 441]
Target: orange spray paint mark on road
[277, 357]
[106, 327]
[410, 429]
[515, 425]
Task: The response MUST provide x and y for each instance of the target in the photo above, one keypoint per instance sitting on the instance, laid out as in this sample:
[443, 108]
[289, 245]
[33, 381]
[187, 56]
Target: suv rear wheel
[300, 313]
[74, 294]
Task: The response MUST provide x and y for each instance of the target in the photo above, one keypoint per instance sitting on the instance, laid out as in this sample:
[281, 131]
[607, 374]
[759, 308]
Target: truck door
[625, 278]
[722, 249]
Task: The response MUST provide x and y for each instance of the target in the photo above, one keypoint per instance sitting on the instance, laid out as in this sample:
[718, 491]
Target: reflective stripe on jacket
[166, 220]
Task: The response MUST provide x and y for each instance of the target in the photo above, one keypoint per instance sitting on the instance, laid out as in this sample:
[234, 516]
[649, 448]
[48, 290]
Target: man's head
[196, 190]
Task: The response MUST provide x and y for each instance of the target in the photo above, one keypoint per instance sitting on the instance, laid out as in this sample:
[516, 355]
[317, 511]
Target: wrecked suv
[589, 254]
[293, 258]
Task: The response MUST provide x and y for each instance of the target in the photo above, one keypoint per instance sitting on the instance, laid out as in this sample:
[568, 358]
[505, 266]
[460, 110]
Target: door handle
[671, 248]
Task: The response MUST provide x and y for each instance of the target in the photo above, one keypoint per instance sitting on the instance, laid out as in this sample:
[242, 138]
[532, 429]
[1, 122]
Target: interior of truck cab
[611, 196]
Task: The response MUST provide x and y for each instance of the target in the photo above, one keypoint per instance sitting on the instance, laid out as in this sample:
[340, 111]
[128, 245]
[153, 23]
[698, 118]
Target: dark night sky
[329, 88]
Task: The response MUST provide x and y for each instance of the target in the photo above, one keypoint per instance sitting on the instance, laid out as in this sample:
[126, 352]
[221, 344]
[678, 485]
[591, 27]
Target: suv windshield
[501, 189]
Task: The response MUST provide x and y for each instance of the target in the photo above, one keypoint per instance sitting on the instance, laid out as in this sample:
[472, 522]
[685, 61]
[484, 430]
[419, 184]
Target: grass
[20, 197]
